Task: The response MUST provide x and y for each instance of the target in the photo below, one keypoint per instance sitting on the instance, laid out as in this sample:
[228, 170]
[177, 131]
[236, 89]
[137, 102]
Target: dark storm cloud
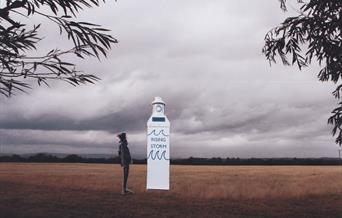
[132, 120]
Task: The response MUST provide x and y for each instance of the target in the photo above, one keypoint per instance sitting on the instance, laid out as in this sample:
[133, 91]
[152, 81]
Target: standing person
[126, 160]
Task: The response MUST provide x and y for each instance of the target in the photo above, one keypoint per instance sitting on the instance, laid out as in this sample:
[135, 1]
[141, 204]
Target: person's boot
[129, 191]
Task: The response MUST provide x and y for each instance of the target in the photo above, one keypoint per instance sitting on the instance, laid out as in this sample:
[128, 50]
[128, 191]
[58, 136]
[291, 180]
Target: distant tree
[42, 157]
[73, 158]
[17, 39]
[314, 34]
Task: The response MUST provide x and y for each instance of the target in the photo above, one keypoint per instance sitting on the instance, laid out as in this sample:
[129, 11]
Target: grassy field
[93, 190]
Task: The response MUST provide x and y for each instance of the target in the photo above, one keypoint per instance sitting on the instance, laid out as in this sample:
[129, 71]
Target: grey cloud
[115, 122]
[205, 60]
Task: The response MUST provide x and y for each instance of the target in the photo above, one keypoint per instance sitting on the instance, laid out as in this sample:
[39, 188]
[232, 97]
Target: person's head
[122, 137]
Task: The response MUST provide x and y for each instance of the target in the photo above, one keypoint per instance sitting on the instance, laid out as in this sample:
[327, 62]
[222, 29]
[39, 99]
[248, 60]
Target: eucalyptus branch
[317, 31]
[16, 39]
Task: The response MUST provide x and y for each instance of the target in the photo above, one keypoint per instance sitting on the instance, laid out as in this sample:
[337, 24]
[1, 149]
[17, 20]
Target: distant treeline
[73, 158]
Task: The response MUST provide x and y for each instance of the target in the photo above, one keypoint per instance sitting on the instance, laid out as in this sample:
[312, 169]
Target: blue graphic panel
[158, 119]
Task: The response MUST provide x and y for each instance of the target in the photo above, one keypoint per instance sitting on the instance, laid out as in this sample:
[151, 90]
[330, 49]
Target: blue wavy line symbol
[154, 156]
[157, 134]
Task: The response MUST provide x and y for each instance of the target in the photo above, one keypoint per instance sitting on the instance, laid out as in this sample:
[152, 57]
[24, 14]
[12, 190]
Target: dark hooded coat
[124, 154]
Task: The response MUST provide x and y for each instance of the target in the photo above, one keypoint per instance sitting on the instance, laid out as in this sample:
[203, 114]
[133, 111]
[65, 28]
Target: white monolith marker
[158, 147]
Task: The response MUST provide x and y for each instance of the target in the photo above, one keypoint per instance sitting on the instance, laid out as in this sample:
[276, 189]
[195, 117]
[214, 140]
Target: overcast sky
[204, 59]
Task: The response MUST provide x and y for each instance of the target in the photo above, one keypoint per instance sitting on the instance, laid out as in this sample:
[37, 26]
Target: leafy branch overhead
[18, 39]
[314, 34]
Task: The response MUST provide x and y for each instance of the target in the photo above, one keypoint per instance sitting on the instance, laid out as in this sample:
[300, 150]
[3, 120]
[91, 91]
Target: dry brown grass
[255, 182]
[92, 190]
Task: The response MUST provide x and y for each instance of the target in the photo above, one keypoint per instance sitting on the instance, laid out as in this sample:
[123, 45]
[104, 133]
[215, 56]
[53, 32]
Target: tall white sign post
[158, 147]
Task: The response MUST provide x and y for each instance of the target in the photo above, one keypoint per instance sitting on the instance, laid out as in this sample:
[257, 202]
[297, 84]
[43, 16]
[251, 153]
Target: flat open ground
[93, 190]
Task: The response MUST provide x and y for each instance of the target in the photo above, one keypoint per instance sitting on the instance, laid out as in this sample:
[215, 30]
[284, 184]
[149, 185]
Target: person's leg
[125, 175]
[128, 190]
[123, 180]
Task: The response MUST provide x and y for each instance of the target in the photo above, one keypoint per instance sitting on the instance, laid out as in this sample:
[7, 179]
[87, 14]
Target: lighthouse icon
[158, 147]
